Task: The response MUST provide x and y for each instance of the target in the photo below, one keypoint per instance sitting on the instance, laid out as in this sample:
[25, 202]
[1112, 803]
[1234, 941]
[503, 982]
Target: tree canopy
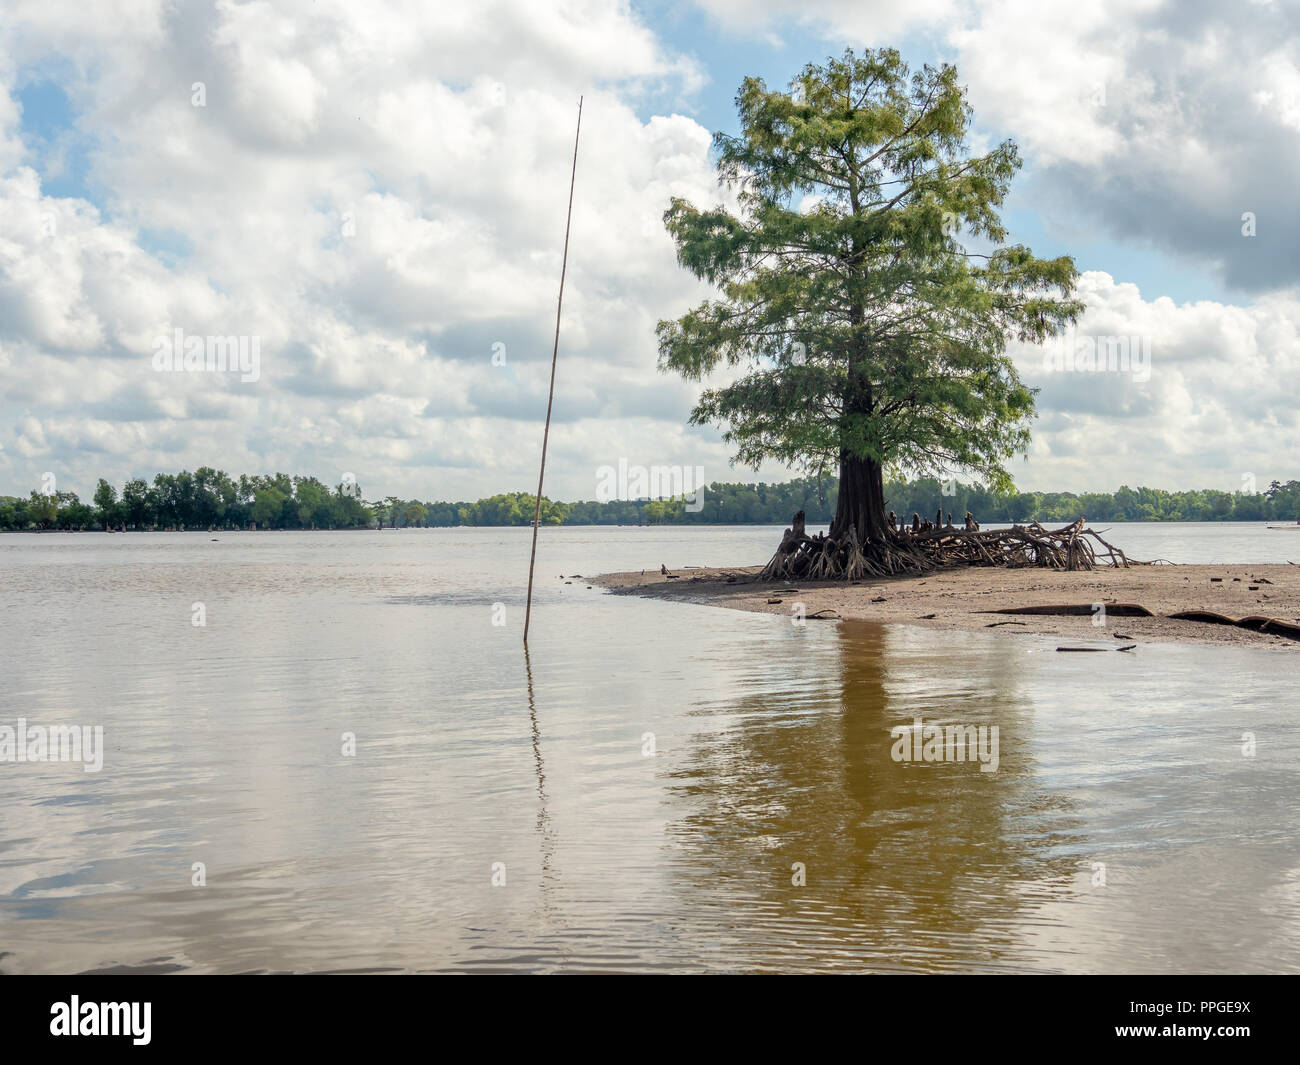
[867, 335]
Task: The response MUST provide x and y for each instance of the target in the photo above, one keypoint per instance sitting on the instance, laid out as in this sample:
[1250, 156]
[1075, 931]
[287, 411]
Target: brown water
[771, 747]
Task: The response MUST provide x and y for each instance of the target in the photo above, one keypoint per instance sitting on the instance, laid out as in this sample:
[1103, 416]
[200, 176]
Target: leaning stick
[555, 354]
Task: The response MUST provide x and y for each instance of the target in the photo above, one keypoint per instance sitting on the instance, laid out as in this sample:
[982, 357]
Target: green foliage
[866, 329]
[268, 508]
[107, 509]
[137, 507]
[926, 495]
[204, 499]
[512, 508]
[281, 502]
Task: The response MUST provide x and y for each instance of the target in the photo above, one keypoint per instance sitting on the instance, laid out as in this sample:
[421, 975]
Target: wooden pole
[555, 354]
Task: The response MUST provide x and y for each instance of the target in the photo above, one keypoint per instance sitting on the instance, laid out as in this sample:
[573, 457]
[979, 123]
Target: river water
[655, 786]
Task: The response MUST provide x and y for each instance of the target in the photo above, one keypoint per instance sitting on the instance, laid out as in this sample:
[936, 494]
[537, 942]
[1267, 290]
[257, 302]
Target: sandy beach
[968, 598]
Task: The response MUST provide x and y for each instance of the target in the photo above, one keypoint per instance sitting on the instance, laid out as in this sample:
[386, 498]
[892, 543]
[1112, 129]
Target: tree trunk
[861, 505]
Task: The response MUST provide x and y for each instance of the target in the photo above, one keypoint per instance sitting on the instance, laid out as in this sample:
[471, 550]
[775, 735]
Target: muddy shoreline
[968, 598]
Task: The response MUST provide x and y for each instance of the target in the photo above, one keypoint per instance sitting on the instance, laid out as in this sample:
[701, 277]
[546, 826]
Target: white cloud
[1223, 396]
[1279, 88]
[376, 192]
[871, 22]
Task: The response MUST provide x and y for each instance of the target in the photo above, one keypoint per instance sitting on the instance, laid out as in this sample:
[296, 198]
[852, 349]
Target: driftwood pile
[1072, 547]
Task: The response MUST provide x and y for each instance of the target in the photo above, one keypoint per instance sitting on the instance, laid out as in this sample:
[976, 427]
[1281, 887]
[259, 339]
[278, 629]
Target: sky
[371, 194]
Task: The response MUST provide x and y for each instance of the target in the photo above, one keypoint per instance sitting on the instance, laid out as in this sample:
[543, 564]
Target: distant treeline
[212, 499]
[1278, 502]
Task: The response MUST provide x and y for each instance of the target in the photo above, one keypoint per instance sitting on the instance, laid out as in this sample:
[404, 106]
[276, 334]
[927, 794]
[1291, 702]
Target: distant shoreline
[963, 599]
[209, 497]
[1268, 524]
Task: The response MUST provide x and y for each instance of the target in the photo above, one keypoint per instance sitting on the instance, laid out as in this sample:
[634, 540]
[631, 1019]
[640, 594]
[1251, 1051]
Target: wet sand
[965, 598]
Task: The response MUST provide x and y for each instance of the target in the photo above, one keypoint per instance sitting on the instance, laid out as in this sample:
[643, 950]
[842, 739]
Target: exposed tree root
[1073, 547]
